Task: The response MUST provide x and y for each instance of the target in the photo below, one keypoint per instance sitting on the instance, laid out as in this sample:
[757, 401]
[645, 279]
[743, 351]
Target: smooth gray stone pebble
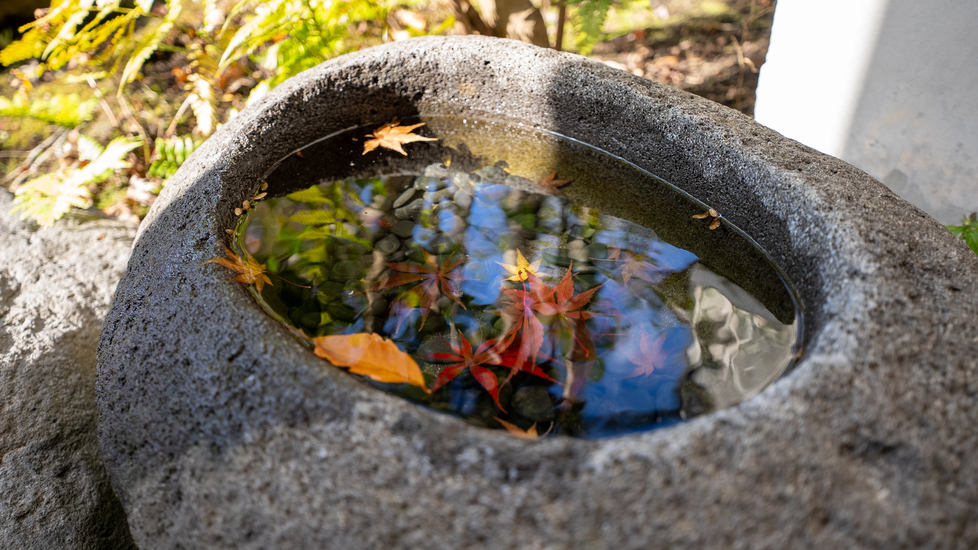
[345, 270]
[437, 170]
[443, 194]
[521, 183]
[411, 210]
[492, 174]
[463, 181]
[533, 403]
[463, 199]
[426, 183]
[404, 197]
[350, 250]
[388, 244]
[403, 228]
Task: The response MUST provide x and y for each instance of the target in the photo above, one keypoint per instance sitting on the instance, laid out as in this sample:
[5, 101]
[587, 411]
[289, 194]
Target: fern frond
[252, 34]
[48, 197]
[148, 46]
[214, 16]
[111, 159]
[28, 47]
[588, 22]
[64, 110]
[170, 154]
[88, 149]
[67, 31]
[107, 36]
[203, 102]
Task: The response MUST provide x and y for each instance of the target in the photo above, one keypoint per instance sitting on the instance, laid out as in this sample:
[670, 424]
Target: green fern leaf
[270, 14]
[65, 110]
[588, 22]
[203, 102]
[313, 217]
[28, 47]
[313, 196]
[148, 46]
[48, 197]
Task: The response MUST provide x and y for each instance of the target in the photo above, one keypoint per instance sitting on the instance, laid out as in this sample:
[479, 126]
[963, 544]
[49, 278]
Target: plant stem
[561, 19]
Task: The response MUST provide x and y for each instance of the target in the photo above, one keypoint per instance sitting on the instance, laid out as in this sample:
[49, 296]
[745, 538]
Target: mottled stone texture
[55, 288]
[220, 431]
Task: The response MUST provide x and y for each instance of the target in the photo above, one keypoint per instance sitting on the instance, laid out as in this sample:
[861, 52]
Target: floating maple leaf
[551, 185]
[711, 213]
[631, 266]
[650, 356]
[529, 433]
[435, 280]
[526, 326]
[486, 354]
[251, 272]
[392, 136]
[370, 355]
[564, 308]
[522, 270]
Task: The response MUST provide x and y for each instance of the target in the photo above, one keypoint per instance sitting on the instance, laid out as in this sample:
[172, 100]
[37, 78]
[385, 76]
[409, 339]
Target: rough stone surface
[219, 431]
[55, 288]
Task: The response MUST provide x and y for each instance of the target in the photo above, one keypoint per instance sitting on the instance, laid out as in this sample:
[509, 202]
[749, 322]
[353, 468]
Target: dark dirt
[713, 56]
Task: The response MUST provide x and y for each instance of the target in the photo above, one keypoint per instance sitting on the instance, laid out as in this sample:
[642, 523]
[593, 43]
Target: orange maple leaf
[251, 272]
[529, 433]
[370, 355]
[392, 136]
[551, 185]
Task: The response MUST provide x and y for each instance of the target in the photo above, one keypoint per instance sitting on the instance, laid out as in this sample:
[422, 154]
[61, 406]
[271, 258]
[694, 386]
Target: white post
[890, 86]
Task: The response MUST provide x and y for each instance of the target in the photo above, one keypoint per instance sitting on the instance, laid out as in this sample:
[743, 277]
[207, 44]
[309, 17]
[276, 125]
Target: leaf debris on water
[392, 136]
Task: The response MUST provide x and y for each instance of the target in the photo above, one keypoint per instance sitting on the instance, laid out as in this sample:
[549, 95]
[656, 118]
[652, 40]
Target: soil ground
[711, 49]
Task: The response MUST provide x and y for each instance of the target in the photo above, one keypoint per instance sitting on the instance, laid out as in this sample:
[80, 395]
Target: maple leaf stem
[568, 397]
[285, 280]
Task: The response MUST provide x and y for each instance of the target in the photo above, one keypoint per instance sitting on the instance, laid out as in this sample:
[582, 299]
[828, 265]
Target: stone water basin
[220, 430]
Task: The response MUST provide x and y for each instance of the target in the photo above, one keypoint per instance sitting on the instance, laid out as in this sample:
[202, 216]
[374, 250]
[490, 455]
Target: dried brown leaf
[392, 136]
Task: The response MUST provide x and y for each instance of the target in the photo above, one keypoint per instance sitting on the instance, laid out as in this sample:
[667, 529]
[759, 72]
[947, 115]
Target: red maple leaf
[564, 308]
[435, 280]
[488, 353]
[526, 326]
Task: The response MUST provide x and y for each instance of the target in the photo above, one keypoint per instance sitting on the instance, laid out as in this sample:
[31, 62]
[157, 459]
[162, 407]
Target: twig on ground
[34, 160]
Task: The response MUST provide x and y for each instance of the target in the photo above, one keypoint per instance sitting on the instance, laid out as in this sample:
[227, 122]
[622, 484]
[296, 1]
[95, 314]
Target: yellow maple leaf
[251, 272]
[370, 355]
[392, 136]
[522, 270]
